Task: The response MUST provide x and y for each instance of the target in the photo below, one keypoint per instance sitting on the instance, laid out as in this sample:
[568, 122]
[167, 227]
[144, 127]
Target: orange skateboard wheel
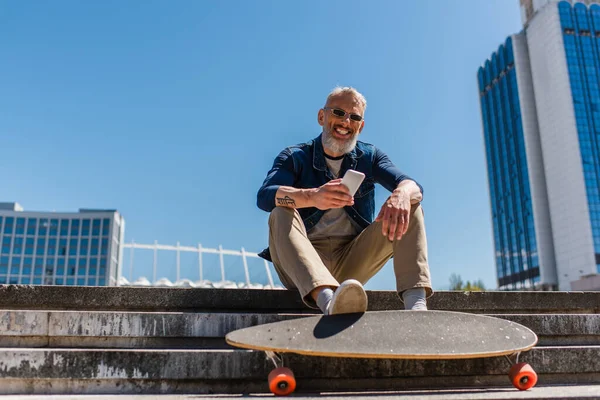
[282, 381]
[522, 376]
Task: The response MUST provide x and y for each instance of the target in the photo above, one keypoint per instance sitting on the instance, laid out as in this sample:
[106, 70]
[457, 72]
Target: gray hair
[350, 90]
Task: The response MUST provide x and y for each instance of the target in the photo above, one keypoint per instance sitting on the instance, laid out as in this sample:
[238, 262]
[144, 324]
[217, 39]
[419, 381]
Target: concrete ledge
[234, 364]
[99, 329]
[193, 299]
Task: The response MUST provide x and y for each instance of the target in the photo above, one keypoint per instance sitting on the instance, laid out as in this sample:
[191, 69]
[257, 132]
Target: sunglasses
[342, 114]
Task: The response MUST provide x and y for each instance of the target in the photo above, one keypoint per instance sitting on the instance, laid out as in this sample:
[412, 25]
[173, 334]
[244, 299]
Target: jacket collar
[319, 162]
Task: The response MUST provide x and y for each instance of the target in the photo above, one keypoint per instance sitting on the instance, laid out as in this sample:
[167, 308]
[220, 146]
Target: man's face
[340, 133]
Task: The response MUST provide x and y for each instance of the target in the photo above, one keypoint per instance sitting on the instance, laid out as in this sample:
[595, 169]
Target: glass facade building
[82, 248]
[581, 36]
[540, 107]
[516, 253]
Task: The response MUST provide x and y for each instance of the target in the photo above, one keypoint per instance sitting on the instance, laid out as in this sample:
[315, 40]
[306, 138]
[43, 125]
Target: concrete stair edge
[214, 324]
[274, 300]
[242, 364]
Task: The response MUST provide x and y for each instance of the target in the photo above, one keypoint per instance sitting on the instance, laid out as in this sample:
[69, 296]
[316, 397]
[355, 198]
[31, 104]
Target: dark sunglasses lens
[338, 112]
[355, 117]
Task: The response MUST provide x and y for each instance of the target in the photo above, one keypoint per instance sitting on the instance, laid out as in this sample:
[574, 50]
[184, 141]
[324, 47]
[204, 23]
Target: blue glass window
[20, 227]
[85, 227]
[64, 227]
[83, 247]
[8, 225]
[43, 227]
[96, 224]
[106, 227]
[75, 227]
[53, 227]
[31, 226]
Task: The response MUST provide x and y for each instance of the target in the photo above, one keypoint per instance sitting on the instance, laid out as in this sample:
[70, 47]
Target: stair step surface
[273, 300]
[53, 371]
[38, 328]
[538, 392]
[241, 364]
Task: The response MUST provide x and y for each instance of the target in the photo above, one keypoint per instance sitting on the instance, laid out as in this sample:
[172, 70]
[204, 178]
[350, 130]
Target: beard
[338, 146]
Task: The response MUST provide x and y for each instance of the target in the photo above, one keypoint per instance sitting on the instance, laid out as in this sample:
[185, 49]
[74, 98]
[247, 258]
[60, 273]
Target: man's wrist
[309, 196]
[410, 189]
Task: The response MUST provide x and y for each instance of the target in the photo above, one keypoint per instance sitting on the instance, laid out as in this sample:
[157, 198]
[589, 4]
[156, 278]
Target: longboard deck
[390, 334]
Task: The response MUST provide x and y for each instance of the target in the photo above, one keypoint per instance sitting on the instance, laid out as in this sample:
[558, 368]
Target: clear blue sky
[172, 111]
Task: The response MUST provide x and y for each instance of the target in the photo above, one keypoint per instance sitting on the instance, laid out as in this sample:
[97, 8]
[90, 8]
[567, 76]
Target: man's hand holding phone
[338, 193]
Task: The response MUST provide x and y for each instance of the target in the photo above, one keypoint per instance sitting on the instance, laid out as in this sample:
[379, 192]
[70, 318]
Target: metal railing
[132, 246]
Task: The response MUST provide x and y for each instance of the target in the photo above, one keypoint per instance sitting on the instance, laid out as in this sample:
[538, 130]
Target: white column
[245, 267]
[269, 273]
[222, 263]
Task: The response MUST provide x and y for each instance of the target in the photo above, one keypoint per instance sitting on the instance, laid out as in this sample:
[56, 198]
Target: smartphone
[352, 179]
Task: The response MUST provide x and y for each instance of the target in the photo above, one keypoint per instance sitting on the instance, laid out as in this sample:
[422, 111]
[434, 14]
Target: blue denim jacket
[303, 166]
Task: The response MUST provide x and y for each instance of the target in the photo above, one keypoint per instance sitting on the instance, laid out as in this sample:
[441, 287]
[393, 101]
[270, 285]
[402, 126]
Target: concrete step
[84, 371]
[99, 329]
[579, 392]
[37, 297]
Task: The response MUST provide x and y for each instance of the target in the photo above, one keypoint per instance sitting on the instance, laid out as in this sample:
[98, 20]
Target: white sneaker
[350, 297]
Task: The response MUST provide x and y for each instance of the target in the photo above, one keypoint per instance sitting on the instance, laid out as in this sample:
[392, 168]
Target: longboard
[390, 334]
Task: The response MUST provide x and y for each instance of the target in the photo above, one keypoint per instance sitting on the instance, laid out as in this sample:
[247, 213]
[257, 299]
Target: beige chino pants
[305, 265]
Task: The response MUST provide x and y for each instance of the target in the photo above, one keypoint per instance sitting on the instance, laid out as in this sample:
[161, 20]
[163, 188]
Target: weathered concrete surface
[558, 324]
[193, 299]
[23, 323]
[133, 343]
[132, 324]
[233, 364]
[539, 392]
[560, 329]
[97, 329]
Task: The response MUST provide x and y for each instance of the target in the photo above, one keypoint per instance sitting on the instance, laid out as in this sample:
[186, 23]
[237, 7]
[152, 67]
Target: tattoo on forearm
[286, 201]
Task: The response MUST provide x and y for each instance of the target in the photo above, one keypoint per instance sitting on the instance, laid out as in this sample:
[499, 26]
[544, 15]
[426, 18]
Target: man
[320, 235]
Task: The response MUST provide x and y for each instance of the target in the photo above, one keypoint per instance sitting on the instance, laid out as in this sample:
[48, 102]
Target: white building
[55, 248]
[540, 103]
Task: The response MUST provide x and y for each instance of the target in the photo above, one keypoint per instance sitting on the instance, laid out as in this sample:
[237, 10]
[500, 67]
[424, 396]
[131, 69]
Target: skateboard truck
[275, 358]
[281, 380]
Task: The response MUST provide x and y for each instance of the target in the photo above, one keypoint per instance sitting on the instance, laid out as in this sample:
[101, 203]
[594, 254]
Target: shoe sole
[350, 298]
